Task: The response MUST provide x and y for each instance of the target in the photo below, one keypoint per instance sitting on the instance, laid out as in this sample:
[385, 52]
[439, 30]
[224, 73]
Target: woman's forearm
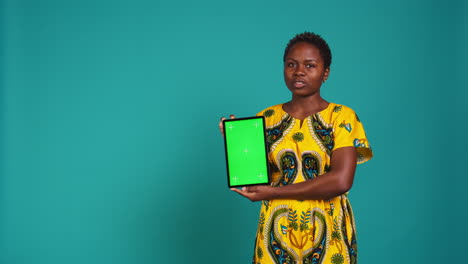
[334, 183]
[324, 187]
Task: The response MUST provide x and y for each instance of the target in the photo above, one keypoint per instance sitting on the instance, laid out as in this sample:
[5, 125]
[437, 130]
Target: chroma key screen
[246, 154]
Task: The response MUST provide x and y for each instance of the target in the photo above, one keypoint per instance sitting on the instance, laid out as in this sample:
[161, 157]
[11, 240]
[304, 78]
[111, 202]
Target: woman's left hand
[257, 193]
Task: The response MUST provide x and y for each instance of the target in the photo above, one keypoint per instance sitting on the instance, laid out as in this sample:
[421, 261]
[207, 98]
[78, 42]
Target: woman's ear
[325, 74]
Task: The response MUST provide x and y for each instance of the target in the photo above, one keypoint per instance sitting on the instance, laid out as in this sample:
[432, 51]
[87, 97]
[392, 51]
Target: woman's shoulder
[336, 112]
[340, 108]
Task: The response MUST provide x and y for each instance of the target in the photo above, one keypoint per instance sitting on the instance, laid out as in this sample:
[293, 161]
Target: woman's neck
[302, 107]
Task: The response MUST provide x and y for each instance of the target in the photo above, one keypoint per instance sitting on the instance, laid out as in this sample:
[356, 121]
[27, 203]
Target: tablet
[246, 151]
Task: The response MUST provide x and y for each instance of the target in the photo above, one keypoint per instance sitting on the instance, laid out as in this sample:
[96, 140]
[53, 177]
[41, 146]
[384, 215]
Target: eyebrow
[305, 60]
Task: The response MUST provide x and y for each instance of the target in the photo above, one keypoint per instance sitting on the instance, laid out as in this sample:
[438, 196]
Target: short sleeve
[348, 131]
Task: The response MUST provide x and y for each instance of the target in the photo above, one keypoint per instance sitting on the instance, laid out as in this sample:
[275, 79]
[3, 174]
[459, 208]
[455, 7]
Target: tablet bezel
[262, 118]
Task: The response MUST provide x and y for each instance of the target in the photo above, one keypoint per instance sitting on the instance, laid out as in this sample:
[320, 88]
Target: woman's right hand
[221, 127]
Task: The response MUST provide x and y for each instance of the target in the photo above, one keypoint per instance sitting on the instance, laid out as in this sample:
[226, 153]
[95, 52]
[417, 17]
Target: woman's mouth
[299, 84]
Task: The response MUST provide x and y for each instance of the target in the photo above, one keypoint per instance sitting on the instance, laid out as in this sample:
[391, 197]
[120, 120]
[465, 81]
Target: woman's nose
[299, 71]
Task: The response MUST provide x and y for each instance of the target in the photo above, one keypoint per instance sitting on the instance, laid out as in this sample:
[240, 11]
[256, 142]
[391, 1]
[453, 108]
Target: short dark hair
[315, 40]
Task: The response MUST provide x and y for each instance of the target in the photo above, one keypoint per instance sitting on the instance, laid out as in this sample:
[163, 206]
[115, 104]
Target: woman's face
[304, 71]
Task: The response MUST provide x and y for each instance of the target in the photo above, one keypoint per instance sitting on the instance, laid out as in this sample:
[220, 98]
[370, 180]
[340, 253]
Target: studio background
[110, 151]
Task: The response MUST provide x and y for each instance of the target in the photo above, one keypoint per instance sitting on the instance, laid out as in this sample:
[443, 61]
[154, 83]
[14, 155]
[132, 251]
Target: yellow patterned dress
[309, 231]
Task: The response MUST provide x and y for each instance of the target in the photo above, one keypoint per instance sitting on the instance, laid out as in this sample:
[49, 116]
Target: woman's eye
[310, 65]
[290, 64]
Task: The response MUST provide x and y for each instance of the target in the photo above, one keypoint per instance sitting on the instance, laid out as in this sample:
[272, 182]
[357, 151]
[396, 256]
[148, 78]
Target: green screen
[246, 151]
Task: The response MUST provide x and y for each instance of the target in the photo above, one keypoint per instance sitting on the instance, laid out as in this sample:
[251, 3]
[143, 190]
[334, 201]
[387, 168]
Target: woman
[314, 146]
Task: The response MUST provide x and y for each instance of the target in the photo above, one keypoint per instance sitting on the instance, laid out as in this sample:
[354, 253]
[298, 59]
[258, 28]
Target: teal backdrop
[110, 149]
